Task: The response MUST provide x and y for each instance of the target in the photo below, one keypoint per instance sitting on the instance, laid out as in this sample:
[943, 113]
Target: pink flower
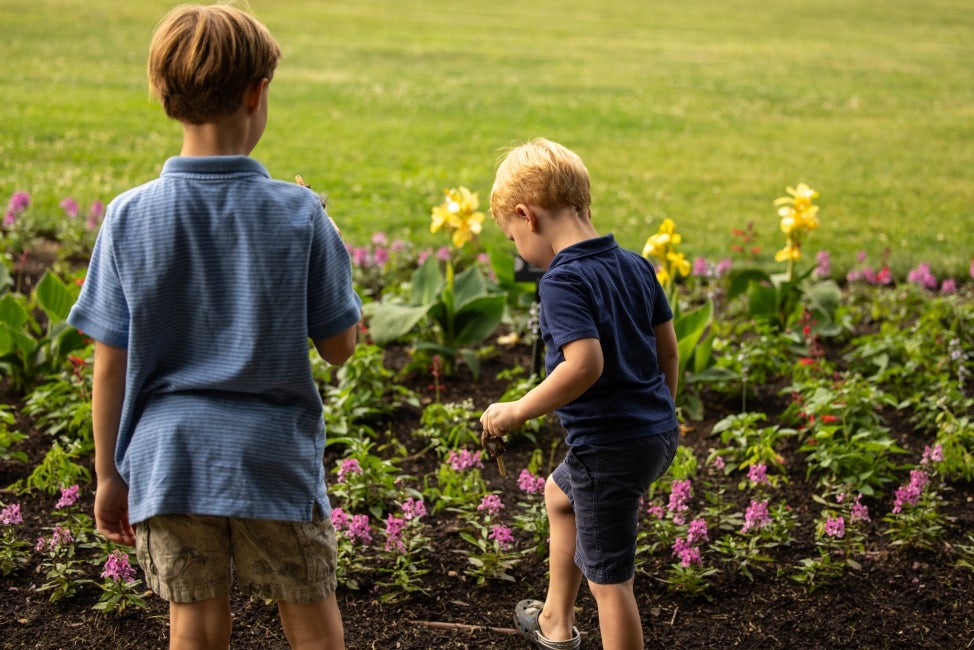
[689, 555]
[758, 473]
[380, 239]
[700, 267]
[502, 535]
[19, 202]
[68, 497]
[756, 516]
[463, 460]
[859, 512]
[680, 491]
[413, 509]
[492, 504]
[70, 207]
[339, 518]
[10, 515]
[697, 531]
[118, 569]
[835, 527]
[933, 454]
[530, 483]
[723, 267]
[394, 528]
[359, 529]
[719, 463]
[909, 494]
[348, 466]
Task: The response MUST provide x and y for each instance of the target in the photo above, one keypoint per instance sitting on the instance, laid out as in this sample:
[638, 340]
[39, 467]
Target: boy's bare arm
[668, 354]
[338, 348]
[581, 368]
[107, 395]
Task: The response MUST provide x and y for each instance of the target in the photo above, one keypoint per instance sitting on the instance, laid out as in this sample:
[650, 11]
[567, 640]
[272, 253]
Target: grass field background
[701, 110]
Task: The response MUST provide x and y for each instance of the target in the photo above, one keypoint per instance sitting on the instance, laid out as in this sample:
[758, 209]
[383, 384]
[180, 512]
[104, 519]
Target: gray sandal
[526, 620]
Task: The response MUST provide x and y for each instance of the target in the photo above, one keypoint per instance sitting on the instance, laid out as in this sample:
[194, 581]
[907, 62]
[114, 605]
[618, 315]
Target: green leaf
[427, 283]
[391, 322]
[54, 297]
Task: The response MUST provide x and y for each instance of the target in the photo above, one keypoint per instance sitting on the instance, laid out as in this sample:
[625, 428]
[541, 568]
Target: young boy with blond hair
[203, 290]
[611, 366]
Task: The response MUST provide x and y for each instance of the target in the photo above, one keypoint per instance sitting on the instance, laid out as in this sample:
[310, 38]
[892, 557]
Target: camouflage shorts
[188, 558]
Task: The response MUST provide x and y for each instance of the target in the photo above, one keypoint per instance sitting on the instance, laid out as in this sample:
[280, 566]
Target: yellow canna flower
[789, 253]
[458, 213]
[679, 263]
[663, 276]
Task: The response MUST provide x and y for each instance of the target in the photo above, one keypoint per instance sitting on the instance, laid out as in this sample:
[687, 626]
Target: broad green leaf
[54, 297]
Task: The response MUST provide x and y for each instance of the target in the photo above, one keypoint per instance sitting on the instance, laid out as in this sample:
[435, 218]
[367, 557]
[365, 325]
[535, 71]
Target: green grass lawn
[702, 111]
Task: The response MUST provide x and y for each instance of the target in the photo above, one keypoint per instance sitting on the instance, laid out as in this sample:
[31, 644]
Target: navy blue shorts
[604, 484]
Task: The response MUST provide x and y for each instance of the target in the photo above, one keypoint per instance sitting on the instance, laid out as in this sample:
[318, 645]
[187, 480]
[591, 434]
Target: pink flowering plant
[458, 480]
[494, 548]
[14, 549]
[531, 520]
[916, 519]
[120, 585]
[840, 536]
[62, 569]
[402, 550]
[353, 534]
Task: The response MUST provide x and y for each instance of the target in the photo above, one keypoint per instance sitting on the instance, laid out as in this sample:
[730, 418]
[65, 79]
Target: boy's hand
[112, 511]
[500, 418]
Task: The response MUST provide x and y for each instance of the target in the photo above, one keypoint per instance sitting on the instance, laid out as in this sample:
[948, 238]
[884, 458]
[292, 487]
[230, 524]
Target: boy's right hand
[112, 511]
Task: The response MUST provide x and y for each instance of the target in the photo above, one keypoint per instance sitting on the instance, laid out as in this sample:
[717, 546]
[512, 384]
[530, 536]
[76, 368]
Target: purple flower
[502, 535]
[413, 509]
[339, 518]
[756, 516]
[922, 276]
[679, 495]
[70, 207]
[394, 528]
[19, 202]
[948, 286]
[347, 467]
[118, 569]
[463, 460]
[360, 257]
[359, 529]
[492, 504]
[859, 512]
[443, 253]
[10, 515]
[700, 267]
[380, 256]
[723, 267]
[656, 510]
[380, 239]
[697, 531]
[758, 473]
[909, 494]
[835, 527]
[9, 218]
[933, 454]
[689, 555]
[530, 483]
[823, 264]
[68, 497]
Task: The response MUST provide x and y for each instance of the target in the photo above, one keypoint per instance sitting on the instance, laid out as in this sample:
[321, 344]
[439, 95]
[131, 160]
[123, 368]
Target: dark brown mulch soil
[899, 599]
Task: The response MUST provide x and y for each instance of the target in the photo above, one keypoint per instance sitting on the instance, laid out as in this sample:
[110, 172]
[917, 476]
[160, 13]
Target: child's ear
[255, 93]
[527, 213]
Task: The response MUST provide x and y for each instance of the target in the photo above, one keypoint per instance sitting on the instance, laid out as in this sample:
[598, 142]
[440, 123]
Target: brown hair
[203, 59]
[542, 173]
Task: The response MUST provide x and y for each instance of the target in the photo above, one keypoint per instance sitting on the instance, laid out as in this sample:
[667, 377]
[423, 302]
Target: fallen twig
[440, 625]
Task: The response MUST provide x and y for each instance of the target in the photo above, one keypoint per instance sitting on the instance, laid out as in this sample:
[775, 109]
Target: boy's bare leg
[203, 625]
[314, 626]
[558, 616]
[619, 622]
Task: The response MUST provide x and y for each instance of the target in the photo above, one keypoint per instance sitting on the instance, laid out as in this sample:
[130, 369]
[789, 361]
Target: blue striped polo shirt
[213, 277]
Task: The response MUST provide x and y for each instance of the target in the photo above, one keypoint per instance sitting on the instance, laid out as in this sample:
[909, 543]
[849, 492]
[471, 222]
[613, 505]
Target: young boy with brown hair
[203, 290]
[611, 375]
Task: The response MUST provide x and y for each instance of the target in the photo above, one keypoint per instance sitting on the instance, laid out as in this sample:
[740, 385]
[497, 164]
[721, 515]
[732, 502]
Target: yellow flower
[458, 213]
[663, 276]
[679, 263]
[789, 253]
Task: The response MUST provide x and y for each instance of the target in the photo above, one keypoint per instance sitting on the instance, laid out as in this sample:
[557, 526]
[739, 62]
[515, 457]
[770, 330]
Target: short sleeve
[101, 310]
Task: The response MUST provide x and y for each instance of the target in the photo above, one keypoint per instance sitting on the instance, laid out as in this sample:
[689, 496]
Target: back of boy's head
[541, 173]
[203, 59]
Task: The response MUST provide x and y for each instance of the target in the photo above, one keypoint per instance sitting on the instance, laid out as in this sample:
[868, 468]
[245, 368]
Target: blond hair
[203, 59]
[541, 173]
